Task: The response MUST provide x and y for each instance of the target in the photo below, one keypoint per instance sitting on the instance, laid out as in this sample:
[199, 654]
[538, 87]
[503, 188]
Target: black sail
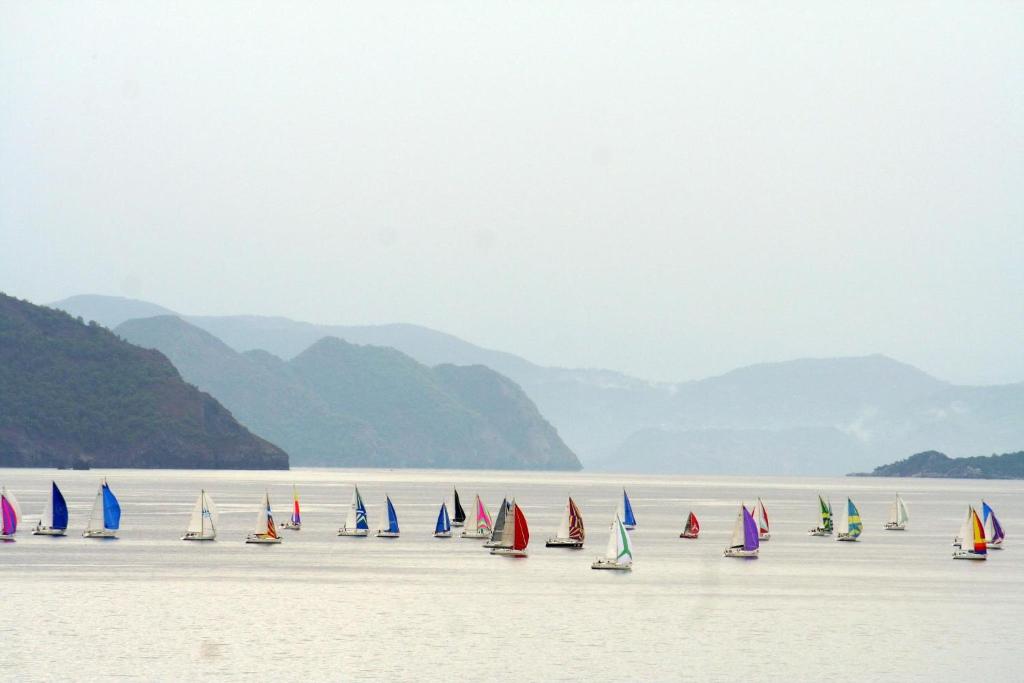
[460, 514]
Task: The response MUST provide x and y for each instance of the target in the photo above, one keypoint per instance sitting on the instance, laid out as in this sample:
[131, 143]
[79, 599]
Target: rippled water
[149, 606]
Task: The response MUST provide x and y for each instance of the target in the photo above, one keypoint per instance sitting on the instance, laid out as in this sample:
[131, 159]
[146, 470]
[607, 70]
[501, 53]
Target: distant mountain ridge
[73, 394]
[342, 404]
[933, 464]
[866, 409]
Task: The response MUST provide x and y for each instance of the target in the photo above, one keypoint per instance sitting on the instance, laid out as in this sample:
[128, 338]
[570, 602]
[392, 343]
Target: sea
[318, 607]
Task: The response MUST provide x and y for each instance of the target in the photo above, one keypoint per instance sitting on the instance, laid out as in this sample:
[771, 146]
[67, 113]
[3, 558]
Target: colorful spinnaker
[480, 523]
[8, 517]
[618, 554]
[295, 521]
[994, 533]
[570, 532]
[973, 545]
[850, 526]
[825, 510]
[355, 522]
[745, 536]
[692, 527]
[760, 515]
[264, 530]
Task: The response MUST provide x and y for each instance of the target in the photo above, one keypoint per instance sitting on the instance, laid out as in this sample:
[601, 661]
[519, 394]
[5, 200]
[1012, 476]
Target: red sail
[522, 537]
[575, 522]
[693, 524]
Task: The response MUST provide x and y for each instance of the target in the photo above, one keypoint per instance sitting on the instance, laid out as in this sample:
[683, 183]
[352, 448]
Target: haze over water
[148, 606]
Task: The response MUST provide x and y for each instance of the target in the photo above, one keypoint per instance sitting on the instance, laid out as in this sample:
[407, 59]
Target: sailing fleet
[507, 533]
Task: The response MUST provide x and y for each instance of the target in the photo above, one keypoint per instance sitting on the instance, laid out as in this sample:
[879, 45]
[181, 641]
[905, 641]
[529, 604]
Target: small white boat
[974, 547]
[480, 527]
[744, 542]
[443, 528]
[460, 515]
[618, 554]
[54, 520]
[498, 530]
[201, 524]
[515, 535]
[898, 516]
[105, 519]
[264, 531]
[294, 523]
[355, 522]
[392, 531]
[850, 526]
[8, 516]
[760, 515]
[825, 508]
[570, 532]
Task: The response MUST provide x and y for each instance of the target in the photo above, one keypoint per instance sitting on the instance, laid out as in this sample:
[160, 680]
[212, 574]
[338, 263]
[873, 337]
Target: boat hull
[99, 533]
[508, 552]
[473, 534]
[764, 537]
[848, 538]
[457, 524]
[356, 533]
[564, 543]
[442, 534]
[629, 527]
[199, 537]
[968, 555]
[893, 526]
[291, 526]
[740, 552]
[387, 534]
[261, 540]
[819, 531]
[7, 537]
[686, 535]
[611, 564]
[48, 531]
[492, 544]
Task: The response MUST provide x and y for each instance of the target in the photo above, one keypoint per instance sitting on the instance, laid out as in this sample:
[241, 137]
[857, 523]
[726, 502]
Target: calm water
[148, 606]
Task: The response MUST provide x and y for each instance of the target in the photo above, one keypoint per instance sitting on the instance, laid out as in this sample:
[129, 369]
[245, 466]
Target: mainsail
[202, 521]
[498, 531]
[460, 514]
[898, 512]
[265, 526]
[619, 548]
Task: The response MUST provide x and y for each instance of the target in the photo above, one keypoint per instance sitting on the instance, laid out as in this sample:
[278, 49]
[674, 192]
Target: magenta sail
[10, 518]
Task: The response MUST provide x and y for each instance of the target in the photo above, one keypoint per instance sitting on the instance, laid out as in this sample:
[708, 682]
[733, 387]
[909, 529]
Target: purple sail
[10, 519]
[750, 541]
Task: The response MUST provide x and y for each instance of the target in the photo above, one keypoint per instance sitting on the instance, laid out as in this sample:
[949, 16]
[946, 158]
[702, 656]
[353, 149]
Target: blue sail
[392, 518]
[111, 509]
[985, 511]
[444, 525]
[360, 512]
[750, 531]
[627, 510]
[60, 509]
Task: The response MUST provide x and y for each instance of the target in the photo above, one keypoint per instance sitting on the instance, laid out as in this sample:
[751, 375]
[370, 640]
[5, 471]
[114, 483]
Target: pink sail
[10, 518]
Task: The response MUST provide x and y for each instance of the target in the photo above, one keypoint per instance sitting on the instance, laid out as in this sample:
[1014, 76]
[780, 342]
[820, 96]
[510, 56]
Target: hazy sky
[667, 189]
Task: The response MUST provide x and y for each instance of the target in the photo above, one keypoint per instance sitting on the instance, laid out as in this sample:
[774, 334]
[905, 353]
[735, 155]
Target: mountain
[72, 393]
[343, 404]
[866, 410]
[939, 465]
[109, 311]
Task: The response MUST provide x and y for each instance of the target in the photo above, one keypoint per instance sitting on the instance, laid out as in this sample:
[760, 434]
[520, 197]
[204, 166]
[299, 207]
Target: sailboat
[295, 522]
[392, 530]
[54, 520]
[974, 546]
[498, 530]
[692, 528]
[460, 515]
[760, 515]
[898, 516]
[443, 528]
[570, 532]
[994, 534]
[201, 525]
[355, 522]
[8, 517]
[744, 541]
[106, 514]
[264, 530]
[849, 527]
[480, 527]
[515, 535]
[619, 552]
[825, 508]
[628, 520]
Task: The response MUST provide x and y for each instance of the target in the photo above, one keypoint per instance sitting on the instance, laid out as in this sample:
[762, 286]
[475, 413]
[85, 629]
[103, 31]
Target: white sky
[667, 189]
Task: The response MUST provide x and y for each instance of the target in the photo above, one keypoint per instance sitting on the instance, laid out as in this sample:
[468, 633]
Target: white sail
[738, 535]
[967, 531]
[990, 529]
[260, 525]
[611, 551]
[46, 519]
[623, 548]
[843, 524]
[350, 518]
[901, 510]
[96, 516]
[203, 519]
[563, 528]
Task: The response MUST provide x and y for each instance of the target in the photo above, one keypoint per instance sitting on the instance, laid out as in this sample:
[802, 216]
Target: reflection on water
[149, 606]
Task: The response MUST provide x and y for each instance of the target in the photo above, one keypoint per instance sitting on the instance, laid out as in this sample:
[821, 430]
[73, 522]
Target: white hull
[48, 531]
[492, 544]
[354, 532]
[847, 537]
[740, 552]
[508, 552]
[6, 537]
[629, 527]
[442, 534]
[387, 534]
[994, 546]
[818, 531]
[611, 564]
[261, 540]
[968, 555]
[764, 537]
[455, 524]
[564, 543]
[99, 533]
[894, 526]
[477, 535]
[199, 537]
[292, 526]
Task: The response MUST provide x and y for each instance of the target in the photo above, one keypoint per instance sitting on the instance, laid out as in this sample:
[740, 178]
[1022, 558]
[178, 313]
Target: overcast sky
[666, 189]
